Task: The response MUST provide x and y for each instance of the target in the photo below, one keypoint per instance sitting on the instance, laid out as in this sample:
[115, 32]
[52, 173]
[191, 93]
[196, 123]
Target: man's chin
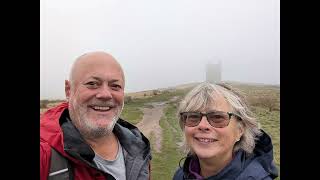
[99, 126]
[100, 131]
[102, 120]
[105, 124]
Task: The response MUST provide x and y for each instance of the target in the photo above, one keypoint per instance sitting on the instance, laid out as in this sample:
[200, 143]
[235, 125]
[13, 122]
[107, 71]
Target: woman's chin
[205, 154]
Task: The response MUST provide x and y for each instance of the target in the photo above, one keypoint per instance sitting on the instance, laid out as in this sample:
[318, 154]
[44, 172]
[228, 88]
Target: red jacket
[63, 137]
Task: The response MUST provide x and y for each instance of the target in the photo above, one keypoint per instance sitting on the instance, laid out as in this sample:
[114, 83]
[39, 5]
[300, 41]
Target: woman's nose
[204, 124]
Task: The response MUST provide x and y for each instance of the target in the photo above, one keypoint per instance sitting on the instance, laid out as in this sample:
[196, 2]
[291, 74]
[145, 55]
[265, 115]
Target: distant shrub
[44, 104]
[56, 101]
[127, 99]
[268, 101]
[166, 92]
[155, 92]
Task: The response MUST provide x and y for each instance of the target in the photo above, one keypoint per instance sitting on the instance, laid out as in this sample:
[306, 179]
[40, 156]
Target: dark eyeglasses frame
[230, 114]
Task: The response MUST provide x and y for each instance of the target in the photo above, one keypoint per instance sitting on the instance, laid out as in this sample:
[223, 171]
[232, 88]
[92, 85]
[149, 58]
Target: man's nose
[104, 92]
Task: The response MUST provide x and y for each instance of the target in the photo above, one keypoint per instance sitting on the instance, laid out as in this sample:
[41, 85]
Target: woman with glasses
[221, 137]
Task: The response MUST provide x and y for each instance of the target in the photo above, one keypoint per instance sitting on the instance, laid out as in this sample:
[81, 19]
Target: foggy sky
[161, 43]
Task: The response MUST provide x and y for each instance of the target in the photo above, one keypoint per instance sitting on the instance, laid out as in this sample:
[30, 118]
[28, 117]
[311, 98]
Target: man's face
[96, 96]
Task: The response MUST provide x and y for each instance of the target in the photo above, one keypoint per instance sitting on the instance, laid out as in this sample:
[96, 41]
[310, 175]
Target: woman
[221, 138]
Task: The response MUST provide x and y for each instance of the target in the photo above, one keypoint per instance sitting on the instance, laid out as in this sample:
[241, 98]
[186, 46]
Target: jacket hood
[263, 153]
[50, 130]
[134, 142]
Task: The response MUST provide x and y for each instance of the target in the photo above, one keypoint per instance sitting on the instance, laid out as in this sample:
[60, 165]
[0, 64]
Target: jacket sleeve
[45, 154]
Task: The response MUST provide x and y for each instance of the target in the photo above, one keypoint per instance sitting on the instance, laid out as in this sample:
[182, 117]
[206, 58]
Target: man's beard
[88, 128]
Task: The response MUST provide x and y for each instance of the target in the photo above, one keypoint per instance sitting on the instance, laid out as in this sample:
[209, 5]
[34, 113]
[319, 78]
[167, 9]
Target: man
[87, 131]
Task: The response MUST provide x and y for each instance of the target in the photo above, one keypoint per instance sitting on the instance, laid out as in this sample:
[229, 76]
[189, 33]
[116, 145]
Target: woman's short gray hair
[206, 93]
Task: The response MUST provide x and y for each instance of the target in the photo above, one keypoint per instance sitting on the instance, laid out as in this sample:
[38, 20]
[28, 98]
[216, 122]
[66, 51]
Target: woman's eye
[193, 116]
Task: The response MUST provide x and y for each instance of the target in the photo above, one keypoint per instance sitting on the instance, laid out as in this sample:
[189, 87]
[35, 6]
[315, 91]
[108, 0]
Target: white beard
[88, 128]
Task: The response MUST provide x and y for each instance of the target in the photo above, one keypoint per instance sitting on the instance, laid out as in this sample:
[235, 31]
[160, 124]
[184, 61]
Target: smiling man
[86, 131]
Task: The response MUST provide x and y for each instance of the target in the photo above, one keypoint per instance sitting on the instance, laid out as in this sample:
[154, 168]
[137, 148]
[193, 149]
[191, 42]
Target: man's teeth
[102, 108]
[205, 140]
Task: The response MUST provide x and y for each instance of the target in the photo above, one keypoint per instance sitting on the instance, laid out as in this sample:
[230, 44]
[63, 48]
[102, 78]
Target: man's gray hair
[207, 93]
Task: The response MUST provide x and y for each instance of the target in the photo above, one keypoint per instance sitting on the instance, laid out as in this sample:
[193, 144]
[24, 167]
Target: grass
[132, 113]
[164, 96]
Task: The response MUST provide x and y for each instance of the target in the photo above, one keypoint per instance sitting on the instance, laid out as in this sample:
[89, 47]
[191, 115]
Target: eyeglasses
[217, 119]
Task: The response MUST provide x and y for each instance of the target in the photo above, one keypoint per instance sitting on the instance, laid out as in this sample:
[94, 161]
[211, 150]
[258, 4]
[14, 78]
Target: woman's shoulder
[178, 175]
[254, 171]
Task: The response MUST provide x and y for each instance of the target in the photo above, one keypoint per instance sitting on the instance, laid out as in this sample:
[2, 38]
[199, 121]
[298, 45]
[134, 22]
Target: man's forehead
[109, 78]
[92, 62]
[100, 73]
[96, 59]
[95, 55]
[98, 66]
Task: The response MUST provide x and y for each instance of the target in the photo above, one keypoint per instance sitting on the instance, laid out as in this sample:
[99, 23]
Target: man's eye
[91, 84]
[116, 87]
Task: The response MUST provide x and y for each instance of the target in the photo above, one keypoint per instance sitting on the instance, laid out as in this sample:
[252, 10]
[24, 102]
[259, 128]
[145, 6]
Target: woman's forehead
[220, 105]
[217, 103]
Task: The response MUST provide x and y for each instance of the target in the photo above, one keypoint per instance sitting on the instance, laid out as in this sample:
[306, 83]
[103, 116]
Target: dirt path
[150, 123]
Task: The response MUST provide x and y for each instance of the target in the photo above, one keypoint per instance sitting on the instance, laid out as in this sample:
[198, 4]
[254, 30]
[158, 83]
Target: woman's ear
[240, 131]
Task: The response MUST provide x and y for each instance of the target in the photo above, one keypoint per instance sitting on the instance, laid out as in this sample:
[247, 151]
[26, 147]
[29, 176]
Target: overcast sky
[161, 43]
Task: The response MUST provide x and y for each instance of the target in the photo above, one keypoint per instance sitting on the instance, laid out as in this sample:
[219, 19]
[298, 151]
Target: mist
[161, 43]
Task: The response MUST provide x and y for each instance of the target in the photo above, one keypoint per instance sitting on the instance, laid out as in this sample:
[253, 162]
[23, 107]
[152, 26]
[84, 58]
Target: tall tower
[213, 73]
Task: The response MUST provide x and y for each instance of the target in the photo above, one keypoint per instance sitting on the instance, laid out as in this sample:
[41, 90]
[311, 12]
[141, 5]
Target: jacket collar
[231, 171]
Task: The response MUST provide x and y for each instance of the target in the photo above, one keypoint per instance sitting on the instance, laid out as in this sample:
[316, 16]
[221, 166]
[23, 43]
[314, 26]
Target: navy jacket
[257, 166]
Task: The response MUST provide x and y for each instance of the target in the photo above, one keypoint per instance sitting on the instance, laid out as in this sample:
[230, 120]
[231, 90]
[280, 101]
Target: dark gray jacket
[258, 166]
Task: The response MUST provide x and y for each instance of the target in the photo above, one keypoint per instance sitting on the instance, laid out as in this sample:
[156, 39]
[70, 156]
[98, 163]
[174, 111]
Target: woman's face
[210, 142]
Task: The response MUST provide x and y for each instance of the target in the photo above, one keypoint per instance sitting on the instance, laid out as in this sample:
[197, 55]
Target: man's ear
[67, 88]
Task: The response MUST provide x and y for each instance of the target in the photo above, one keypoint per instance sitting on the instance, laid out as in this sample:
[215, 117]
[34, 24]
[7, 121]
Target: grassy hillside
[264, 101]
